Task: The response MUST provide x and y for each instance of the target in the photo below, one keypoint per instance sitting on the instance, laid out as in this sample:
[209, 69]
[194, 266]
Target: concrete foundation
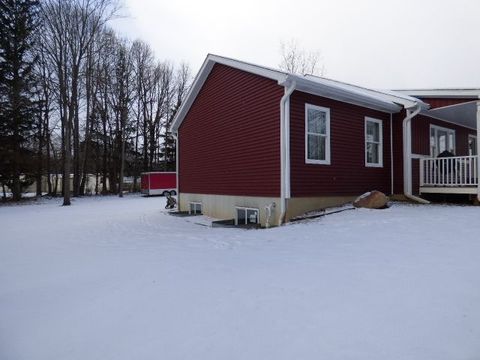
[300, 205]
[223, 206]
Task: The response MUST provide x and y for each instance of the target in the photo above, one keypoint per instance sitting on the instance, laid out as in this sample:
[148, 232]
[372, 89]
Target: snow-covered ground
[111, 278]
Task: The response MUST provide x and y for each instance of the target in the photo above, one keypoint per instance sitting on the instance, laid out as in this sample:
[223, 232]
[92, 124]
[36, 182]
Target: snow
[363, 196]
[111, 278]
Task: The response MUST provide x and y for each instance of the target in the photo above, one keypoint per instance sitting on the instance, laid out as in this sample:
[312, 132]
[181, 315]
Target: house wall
[347, 174]
[229, 142]
[398, 152]
[421, 135]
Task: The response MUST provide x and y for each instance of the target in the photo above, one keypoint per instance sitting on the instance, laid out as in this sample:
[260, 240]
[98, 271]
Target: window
[472, 145]
[195, 208]
[246, 216]
[441, 139]
[373, 142]
[317, 135]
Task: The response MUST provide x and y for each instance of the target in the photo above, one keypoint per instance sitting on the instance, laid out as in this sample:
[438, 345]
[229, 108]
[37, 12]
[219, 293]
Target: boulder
[372, 200]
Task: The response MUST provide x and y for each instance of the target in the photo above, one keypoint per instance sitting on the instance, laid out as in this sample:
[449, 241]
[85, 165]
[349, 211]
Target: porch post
[478, 150]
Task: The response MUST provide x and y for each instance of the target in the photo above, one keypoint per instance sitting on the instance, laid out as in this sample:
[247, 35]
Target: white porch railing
[455, 171]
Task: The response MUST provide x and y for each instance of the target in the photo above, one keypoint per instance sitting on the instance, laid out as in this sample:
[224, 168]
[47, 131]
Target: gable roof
[385, 101]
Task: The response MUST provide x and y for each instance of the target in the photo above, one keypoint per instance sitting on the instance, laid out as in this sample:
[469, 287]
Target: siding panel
[421, 135]
[347, 174]
[230, 138]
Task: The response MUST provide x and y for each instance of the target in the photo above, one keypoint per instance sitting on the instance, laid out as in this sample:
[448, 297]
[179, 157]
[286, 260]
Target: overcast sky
[375, 43]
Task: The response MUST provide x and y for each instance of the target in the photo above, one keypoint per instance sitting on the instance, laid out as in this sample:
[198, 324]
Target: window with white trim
[195, 208]
[317, 135]
[472, 145]
[441, 139]
[373, 142]
[246, 216]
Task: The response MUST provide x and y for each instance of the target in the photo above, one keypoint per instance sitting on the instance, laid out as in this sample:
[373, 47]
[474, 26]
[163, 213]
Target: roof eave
[443, 93]
[342, 95]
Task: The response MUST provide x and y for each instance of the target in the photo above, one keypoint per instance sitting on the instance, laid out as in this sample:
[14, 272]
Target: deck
[452, 175]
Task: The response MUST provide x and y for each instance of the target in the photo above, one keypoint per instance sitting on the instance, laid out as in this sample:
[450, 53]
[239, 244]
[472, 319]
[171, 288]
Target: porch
[452, 175]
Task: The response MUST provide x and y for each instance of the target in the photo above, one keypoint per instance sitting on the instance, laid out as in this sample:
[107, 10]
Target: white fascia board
[401, 99]
[251, 68]
[346, 95]
[202, 75]
[443, 93]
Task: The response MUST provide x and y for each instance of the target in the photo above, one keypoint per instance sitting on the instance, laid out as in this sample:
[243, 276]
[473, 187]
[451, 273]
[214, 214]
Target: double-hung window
[317, 135]
[373, 142]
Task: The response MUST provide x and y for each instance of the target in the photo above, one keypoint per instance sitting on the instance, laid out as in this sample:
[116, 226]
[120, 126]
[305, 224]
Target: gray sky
[375, 43]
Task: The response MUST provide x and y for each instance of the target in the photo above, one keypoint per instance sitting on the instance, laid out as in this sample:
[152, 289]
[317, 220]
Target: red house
[256, 144]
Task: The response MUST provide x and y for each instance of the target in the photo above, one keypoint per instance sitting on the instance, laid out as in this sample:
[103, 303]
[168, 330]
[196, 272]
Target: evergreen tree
[18, 22]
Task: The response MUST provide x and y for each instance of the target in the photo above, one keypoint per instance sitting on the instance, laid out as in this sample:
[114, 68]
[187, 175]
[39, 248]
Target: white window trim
[195, 203]
[380, 143]
[471, 136]
[437, 127]
[327, 136]
[245, 209]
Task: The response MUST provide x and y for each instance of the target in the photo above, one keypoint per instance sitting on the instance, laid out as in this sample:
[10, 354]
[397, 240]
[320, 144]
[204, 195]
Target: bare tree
[106, 103]
[70, 26]
[297, 60]
[182, 85]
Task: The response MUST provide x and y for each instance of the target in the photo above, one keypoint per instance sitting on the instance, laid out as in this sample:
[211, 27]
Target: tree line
[78, 99]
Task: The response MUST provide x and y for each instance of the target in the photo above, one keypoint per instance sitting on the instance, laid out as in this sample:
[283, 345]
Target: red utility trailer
[159, 183]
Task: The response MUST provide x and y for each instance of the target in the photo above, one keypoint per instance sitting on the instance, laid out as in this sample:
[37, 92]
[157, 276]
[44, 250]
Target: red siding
[347, 174]
[421, 135]
[229, 142]
[440, 102]
[398, 152]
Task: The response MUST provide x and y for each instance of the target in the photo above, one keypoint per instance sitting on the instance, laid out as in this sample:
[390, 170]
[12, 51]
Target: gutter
[407, 153]
[285, 149]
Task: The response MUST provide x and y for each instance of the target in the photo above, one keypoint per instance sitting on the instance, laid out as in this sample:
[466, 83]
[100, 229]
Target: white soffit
[464, 114]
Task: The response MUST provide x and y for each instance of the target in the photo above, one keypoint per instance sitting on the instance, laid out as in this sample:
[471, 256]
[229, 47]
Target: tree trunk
[39, 158]
[76, 132]
[67, 164]
[122, 166]
[47, 140]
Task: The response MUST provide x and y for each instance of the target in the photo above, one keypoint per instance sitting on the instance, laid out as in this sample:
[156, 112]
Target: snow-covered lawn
[111, 278]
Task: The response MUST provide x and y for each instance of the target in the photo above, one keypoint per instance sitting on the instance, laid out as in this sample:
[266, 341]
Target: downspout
[284, 143]
[407, 154]
[175, 136]
[391, 155]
